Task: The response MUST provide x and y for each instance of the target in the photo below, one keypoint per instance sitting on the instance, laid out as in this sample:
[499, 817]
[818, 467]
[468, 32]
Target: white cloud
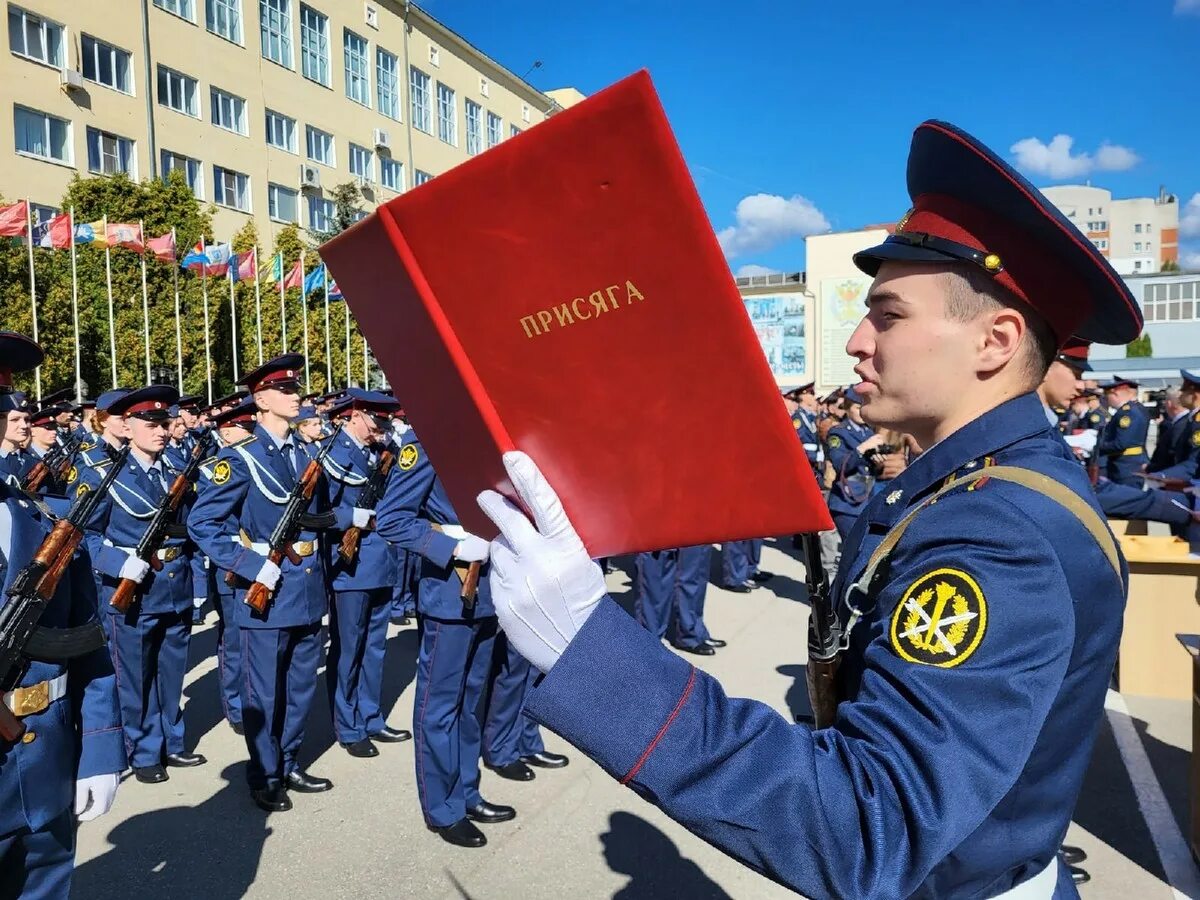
[1055, 160]
[1189, 259]
[766, 220]
[751, 269]
[1189, 220]
[1183, 7]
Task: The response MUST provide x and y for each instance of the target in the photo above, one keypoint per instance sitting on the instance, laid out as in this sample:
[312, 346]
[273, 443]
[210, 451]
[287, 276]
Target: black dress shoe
[546, 760]
[389, 735]
[1072, 856]
[1078, 875]
[402, 621]
[762, 577]
[150, 774]
[699, 649]
[363, 749]
[738, 588]
[185, 760]
[238, 728]
[514, 771]
[271, 799]
[461, 834]
[490, 813]
[715, 643]
[300, 781]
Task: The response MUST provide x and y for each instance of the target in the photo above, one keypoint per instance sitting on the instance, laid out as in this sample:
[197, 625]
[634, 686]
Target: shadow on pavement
[796, 697]
[206, 852]
[1170, 765]
[634, 847]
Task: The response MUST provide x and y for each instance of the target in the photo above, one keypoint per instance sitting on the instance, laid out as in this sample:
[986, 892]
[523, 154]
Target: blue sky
[802, 112]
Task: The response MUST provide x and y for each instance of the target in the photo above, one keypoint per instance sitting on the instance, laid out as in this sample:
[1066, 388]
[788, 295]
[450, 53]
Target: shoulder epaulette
[244, 441]
[103, 464]
[210, 460]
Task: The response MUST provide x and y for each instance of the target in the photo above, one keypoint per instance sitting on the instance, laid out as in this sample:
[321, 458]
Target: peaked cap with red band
[1118, 381]
[281, 372]
[969, 206]
[243, 414]
[1075, 354]
[44, 416]
[152, 402]
[17, 354]
[367, 401]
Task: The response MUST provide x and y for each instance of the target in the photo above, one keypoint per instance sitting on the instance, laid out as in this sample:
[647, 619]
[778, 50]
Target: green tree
[1170, 266]
[1141, 346]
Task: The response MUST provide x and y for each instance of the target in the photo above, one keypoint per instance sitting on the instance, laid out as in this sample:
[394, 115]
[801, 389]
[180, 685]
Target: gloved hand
[471, 549]
[268, 575]
[544, 584]
[94, 795]
[362, 517]
[134, 568]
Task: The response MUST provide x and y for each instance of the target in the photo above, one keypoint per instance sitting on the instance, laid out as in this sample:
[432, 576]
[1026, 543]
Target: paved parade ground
[577, 833]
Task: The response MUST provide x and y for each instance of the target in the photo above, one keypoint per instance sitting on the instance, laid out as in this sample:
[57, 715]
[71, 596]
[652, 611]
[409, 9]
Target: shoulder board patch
[209, 461]
[244, 441]
[103, 464]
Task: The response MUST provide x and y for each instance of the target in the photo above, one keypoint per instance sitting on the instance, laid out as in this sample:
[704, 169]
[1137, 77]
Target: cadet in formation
[1122, 444]
[669, 595]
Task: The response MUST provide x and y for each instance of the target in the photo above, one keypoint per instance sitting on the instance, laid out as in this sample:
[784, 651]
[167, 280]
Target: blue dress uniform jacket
[959, 749]
[805, 424]
[1123, 443]
[1182, 459]
[851, 490]
[229, 643]
[77, 736]
[348, 469]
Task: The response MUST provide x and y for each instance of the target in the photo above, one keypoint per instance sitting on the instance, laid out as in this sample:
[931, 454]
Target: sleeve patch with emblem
[73, 473]
[940, 620]
[1196, 438]
[82, 489]
[1124, 421]
[408, 457]
[835, 441]
[222, 472]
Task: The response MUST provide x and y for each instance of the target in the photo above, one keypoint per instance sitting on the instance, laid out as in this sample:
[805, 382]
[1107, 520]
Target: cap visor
[869, 260]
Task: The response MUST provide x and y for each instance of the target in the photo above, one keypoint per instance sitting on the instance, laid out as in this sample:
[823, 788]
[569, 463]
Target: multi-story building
[264, 105]
[1138, 235]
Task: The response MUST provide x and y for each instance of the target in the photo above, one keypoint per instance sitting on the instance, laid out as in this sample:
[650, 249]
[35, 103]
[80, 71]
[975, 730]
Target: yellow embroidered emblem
[73, 473]
[1196, 438]
[940, 620]
[82, 489]
[222, 472]
[835, 441]
[408, 457]
[1124, 422]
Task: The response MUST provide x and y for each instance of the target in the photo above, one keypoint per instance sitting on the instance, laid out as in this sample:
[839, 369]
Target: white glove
[94, 795]
[1085, 441]
[134, 568]
[471, 549]
[544, 584]
[268, 575]
[362, 517]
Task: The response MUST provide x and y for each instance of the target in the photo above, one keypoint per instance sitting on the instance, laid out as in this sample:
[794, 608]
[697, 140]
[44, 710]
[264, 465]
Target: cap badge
[904, 219]
[991, 262]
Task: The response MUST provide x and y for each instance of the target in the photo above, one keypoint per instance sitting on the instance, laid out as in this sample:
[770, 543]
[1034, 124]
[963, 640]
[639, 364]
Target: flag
[335, 292]
[214, 259]
[128, 236]
[314, 279]
[163, 247]
[58, 233]
[195, 258]
[276, 273]
[13, 219]
[91, 233]
[241, 267]
[295, 277]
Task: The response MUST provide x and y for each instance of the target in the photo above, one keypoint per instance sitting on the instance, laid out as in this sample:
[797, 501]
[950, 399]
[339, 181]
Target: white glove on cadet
[94, 795]
[362, 517]
[544, 584]
[471, 549]
[268, 575]
[134, 569]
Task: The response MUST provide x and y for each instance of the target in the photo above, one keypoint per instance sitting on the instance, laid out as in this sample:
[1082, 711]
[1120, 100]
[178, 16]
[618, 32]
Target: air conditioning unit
[310, 176]
[71, 80]
[382, 141]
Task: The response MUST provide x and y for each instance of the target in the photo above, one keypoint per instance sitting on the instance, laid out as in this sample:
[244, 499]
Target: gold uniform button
[308, 571]
[29, 737]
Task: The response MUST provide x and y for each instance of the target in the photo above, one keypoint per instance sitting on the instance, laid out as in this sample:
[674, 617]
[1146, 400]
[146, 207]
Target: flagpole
[257, 306]
[178, 332]
[282, 303]
[328, 350]
[112, 328]
[75, 310]
[37, 373]
[231, 273]
[366, 363]
[204, 295]
[145, 299]
[347, 306]
[304, 313]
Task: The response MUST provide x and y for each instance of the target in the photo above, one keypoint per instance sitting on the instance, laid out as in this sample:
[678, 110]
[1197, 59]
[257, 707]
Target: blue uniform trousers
[452, 671]
[358, 623]
[279, 679]
[150, 657]
[670, 594]
[739, 561]
[404, 594]
[508, 734]
[37, 865]
[229, 650]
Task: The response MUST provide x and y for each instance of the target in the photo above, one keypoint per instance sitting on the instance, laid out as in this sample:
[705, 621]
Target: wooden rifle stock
[470, 584]
[821, 675]
[353, 535]
[35, 478]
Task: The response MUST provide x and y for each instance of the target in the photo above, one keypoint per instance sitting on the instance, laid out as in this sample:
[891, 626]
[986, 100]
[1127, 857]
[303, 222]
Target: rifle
[368, 498]
[824, 636]
[57, 461]
[21, 638]
[288, 525]
[156, 532]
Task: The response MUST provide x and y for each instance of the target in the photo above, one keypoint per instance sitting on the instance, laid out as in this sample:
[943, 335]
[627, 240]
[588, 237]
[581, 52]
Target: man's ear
[1003, 332]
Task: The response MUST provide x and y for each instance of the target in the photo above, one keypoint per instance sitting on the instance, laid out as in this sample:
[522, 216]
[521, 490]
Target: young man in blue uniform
[984, 630]
[457, 636]
[149, 641]
[1122, 444]
[1180, 445]
[67, 765]
[854, 476]
[362, 587]
[670, 588]
[232, 523]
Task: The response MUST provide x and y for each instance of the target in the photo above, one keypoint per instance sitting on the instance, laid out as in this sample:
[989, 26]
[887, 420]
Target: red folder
[564, 294]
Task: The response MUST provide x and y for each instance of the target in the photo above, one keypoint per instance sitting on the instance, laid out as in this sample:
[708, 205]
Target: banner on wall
[780, 323]
[843, 304]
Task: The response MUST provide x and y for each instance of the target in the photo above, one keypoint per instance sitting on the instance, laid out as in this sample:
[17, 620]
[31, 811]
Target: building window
[178, 92]
[105, 64]
[1137, 245]
[320, 146]
[109, 154]
[358, 79]
[362, 162]
[283, 203]
[34, 37]
[447, 120]
[224, 18]
[1175, 302]
[231, 189]
[1137, 228]
[43, 136]
[275, 22]
[314, 45]
[281, 131]
[228, 111]
[387, 83]
[418, 89]
[525, 113]
[495, 128]
[185, 9]
[474, 127]
[192, 169]
[321, 214]
[419, 177]
[513, 130]
[391, 174]
[1091, 211]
